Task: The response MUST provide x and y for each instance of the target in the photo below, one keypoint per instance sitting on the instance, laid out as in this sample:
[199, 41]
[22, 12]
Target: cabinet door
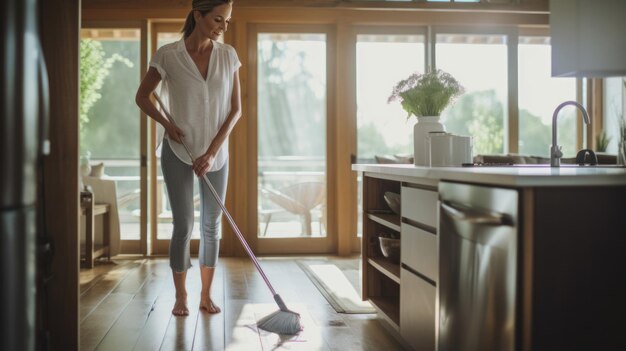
[419, 251]
[417, 311]
[419, 205]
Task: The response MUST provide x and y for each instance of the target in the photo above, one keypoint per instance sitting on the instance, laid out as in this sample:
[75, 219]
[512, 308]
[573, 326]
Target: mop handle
[219, 201]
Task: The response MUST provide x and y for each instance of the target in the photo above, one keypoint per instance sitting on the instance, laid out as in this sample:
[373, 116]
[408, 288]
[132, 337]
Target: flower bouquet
[426, 94]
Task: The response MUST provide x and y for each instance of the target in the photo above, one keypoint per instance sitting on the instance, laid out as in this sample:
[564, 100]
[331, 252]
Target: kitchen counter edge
[505, 176]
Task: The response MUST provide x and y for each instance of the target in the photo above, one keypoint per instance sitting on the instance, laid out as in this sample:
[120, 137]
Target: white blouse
[199, 106]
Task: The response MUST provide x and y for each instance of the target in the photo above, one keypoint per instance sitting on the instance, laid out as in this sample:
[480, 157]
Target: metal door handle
[466, 214]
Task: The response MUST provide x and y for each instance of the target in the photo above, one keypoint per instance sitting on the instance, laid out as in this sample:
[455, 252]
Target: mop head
[282, 321]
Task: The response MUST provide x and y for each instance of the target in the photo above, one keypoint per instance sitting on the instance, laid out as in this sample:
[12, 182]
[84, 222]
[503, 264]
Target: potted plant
[426, 96]
[602, 141]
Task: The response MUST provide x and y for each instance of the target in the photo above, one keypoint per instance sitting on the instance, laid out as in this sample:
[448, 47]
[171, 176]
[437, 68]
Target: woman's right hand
[174, 133]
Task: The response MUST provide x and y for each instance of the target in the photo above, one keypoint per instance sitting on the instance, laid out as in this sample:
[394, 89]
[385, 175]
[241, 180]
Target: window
[382, 128]
[614, 107]
[479, 63]
[538, 95]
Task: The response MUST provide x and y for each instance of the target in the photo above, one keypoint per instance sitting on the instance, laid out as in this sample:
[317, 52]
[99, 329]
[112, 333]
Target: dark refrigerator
[24, 115]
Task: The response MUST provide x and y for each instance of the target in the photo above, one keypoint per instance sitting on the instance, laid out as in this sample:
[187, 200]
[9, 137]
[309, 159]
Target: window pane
[291, 134]
[382, 61]
[539, 95]
[479, 63]
[109, 129]
[614, 107]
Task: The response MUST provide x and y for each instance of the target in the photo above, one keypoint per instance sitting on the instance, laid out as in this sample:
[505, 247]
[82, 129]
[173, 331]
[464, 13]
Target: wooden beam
[596, 112]
[512, 122]
[244, 212]
[60, 37]
[526, 6]
[345, 139]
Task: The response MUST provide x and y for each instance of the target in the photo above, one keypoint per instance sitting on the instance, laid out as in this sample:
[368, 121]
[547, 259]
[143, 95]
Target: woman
[200, 83]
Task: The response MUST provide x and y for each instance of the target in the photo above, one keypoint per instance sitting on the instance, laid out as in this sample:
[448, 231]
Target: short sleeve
[157, 61]
[234, 59]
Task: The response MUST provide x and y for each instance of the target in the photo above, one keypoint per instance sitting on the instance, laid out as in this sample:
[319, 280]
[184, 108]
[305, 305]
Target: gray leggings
[179, 179]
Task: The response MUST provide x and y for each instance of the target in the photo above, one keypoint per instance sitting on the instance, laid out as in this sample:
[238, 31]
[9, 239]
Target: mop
[283, 321]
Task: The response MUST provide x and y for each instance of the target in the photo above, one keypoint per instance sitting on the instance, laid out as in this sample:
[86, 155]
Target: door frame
[134, 246]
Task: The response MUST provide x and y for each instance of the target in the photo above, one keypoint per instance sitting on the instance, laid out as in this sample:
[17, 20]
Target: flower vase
[421, 148]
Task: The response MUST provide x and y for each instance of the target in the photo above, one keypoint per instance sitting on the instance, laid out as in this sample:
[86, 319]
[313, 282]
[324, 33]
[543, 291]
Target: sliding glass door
[290, 88]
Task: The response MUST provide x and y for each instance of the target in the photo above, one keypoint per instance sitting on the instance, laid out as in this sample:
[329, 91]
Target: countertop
[513, 176]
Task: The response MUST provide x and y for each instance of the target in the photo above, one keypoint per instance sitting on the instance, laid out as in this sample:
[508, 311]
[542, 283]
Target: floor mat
[339, 282]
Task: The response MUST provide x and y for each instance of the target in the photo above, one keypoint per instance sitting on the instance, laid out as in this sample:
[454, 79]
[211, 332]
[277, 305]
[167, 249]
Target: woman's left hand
[203, 163]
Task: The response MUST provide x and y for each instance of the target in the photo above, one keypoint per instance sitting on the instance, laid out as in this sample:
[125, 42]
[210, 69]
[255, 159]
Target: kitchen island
[565, 269]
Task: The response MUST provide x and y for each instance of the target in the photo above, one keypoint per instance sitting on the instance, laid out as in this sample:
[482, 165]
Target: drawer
[419, 205]
[417, 311]
[419, 251]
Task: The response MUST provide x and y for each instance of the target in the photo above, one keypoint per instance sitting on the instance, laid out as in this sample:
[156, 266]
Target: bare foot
[180, 307]
[209, 306]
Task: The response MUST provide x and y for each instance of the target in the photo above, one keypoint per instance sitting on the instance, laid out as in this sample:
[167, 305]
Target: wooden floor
[127, 306]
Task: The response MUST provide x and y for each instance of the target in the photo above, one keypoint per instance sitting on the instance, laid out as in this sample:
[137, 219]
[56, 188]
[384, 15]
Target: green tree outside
[109, 118]
[480, 115]
[289, 111]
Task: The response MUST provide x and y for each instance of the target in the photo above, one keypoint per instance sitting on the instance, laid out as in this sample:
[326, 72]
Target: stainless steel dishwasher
[477, 267]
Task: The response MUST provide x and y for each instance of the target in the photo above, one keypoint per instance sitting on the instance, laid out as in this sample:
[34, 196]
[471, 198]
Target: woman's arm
[204, 163]
[142, 99]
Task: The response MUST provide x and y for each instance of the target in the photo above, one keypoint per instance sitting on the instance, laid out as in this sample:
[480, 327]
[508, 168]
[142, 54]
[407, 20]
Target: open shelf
[389, 220]
[386, 267]
[388, 308]
[381, 277]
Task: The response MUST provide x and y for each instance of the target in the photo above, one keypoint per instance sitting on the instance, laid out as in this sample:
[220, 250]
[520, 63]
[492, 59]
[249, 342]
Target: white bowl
[393, 201]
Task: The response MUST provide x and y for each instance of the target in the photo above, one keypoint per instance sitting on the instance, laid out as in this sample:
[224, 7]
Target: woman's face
[214, 23]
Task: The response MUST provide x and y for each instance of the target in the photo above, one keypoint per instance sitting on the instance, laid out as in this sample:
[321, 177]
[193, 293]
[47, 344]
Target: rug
[339, 281]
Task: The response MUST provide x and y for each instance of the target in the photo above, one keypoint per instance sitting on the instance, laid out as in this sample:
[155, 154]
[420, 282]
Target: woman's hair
[204, 6]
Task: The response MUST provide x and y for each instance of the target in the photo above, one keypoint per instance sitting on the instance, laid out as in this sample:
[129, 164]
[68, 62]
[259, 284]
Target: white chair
[301, 199]
[266, 213]
[105, 191]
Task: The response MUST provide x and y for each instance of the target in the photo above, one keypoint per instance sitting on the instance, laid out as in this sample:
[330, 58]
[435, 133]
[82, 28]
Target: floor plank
[103, 287]
[98, 323]
[210, 327]
[124, 333]
[89, 277]
[127, 306]
[151, 337]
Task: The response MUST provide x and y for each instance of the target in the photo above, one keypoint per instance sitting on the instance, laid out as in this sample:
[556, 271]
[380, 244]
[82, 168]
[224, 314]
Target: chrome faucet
[555, 149]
